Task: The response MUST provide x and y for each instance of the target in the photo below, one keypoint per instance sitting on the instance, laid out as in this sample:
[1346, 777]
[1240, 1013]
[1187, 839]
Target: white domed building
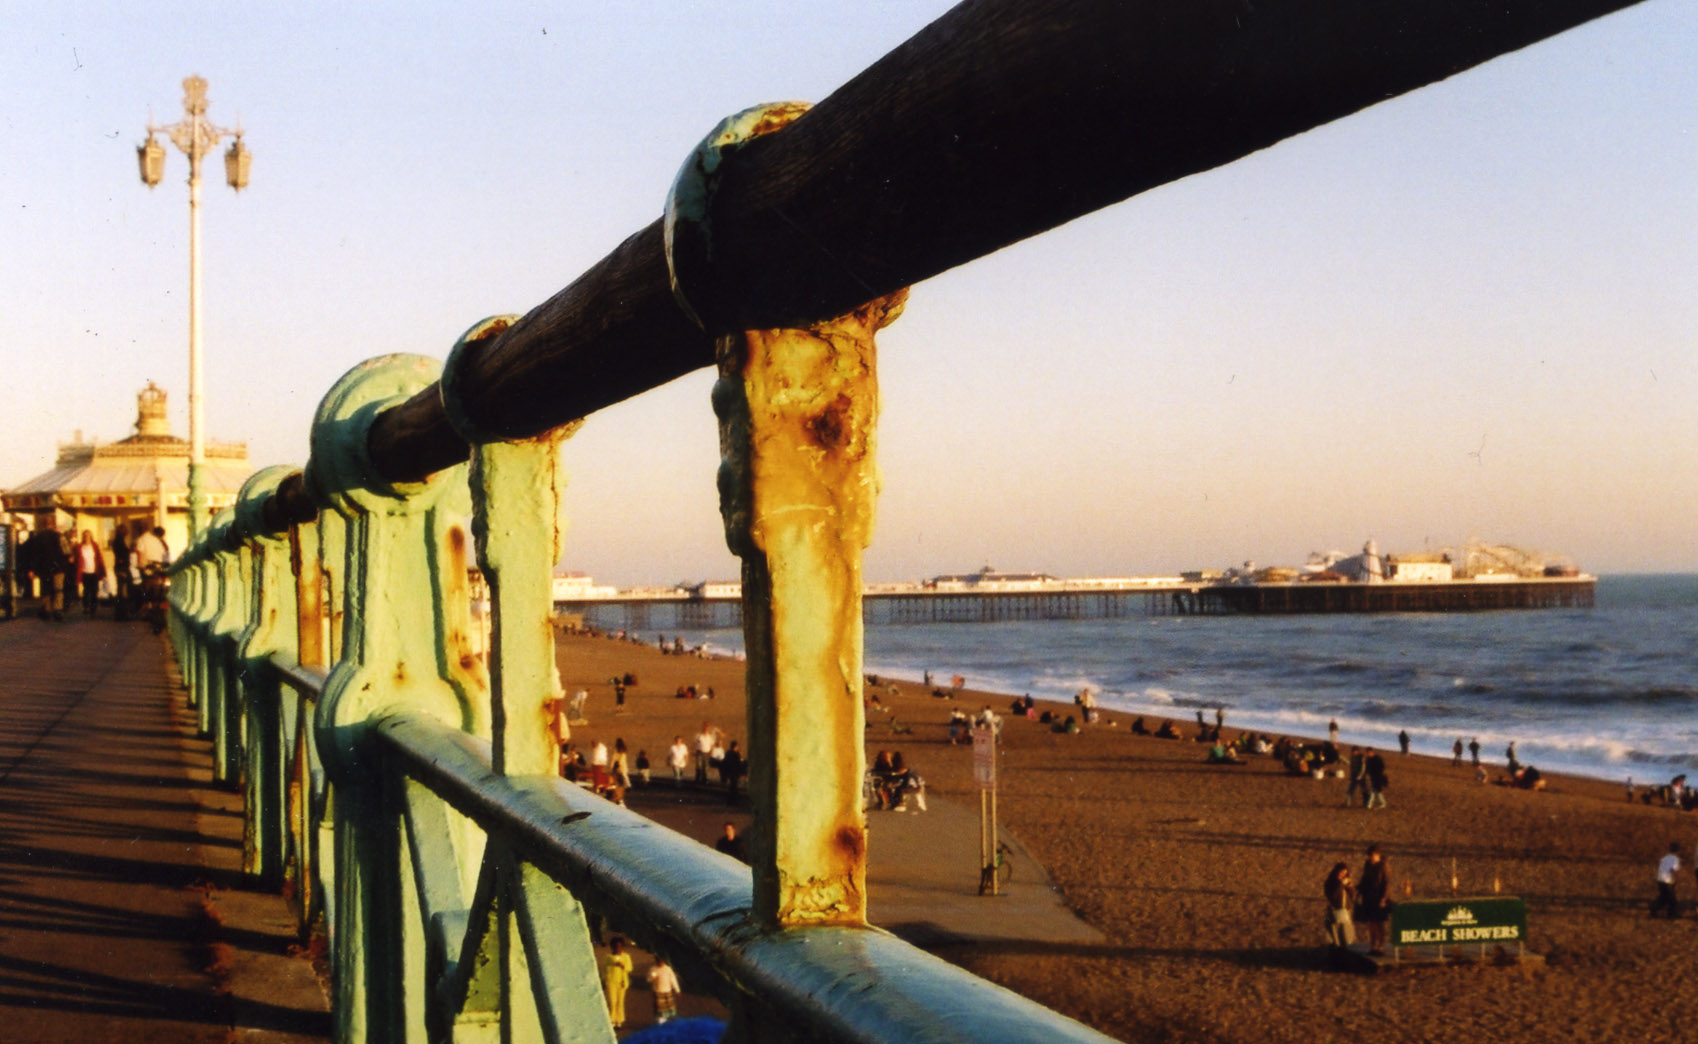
[138, 482]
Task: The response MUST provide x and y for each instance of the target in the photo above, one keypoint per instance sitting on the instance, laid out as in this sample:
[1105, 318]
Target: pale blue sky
[1296, 352]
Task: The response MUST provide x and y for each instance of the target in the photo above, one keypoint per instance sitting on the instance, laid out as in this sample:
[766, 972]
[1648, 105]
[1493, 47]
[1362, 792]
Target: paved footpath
[123, 912]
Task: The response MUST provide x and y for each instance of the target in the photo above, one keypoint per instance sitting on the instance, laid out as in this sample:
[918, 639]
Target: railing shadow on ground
[393, 755]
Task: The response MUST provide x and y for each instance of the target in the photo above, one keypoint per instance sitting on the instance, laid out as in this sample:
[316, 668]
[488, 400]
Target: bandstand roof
[133, 472]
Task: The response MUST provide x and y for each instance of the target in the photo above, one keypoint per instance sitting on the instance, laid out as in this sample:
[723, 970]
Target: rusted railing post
[537, 959]
[797, 411]
[405, 645]
[311, 827]
[270, 631]
[232, 584]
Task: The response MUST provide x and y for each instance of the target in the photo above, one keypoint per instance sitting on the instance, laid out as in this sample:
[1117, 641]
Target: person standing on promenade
[1403, 740]
[677, 756]
[1373, 903]
[1341, 898]
[616, 979]
[1666, 871]
[731, 770]
[705, 741]
[121, 573]
[621, 763]
[1374, 769]
[1456, 754]
[91, 567]
[1474, 749]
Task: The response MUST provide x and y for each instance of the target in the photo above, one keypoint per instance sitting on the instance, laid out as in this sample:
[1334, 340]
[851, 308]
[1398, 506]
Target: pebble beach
[1205, 880]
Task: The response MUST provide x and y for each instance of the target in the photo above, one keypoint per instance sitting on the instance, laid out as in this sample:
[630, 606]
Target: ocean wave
[1657, 695]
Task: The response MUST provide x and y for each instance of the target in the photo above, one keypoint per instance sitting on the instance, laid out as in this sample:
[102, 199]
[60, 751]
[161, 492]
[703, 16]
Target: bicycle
[154, 586]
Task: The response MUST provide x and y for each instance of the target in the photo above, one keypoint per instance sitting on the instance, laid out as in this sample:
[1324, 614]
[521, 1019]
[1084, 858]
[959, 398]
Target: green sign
[1449, 922]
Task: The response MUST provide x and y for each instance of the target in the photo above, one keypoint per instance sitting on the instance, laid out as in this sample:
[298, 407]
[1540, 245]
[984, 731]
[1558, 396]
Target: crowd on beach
[610, 773]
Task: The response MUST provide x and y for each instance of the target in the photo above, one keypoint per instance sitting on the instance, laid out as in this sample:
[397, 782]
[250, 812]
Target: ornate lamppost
[196, 137]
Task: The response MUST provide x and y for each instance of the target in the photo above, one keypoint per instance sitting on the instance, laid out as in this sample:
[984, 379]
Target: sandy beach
[1206, 880]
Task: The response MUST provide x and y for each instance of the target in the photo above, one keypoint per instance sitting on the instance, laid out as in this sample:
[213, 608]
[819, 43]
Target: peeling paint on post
[797, 413]
[406, 644]
[270, 632]
[232, 588]
[798, 410]
[516, 490]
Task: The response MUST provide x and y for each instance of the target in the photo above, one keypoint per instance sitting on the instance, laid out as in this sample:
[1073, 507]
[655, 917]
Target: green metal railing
[400, 781]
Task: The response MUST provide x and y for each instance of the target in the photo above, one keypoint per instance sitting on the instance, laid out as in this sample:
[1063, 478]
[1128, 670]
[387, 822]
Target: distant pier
[903, 603]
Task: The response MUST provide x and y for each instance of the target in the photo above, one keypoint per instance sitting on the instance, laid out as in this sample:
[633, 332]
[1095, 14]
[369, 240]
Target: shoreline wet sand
[1206, 880]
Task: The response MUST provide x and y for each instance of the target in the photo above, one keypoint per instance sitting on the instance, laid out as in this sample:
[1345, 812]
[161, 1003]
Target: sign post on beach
[984, 774]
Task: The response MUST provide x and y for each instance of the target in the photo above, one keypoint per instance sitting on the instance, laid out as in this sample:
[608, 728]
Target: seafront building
[136, 483]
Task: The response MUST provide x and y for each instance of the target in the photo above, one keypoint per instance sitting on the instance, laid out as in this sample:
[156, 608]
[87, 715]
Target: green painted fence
[398, 779]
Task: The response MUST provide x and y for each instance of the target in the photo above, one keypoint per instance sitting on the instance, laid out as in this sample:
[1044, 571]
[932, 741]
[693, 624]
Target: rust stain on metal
[798, 412]
[830, 427]
[853, 841]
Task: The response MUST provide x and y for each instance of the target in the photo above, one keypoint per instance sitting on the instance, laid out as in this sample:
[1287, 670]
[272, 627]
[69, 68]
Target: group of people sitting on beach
[891, 782]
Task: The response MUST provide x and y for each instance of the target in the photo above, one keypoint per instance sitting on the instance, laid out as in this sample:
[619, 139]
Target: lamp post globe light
[196, 136]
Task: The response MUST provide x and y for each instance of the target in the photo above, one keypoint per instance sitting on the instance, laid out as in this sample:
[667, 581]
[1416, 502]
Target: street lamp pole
[196, 137]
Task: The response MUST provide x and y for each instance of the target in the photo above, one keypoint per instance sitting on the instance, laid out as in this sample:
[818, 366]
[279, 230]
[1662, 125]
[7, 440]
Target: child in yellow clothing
[616, 979]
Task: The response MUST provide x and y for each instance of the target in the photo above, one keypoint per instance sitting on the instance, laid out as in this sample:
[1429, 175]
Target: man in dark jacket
[47, 554]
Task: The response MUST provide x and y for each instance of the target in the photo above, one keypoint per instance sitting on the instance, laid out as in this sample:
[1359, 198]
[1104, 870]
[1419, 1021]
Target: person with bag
[1341, 898]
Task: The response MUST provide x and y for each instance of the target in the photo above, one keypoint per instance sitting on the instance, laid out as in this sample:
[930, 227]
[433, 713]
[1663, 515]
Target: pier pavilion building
[138, 482]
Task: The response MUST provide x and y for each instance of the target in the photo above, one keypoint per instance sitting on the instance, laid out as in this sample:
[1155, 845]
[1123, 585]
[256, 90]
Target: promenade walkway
[123, 913]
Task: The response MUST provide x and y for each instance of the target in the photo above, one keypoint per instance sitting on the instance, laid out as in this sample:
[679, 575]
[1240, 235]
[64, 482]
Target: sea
[1609, 692]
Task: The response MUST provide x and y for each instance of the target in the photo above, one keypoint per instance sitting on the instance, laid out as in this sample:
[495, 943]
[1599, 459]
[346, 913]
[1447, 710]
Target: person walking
[1456, 754]
[1332, 732]
[1358, 777]
[47, 554]
[664, 982]
[1374, 773]
[1403, 740]
[1666, 871]
[616, 979]
[1474, 749]
[1341, 899]
[1373, 902]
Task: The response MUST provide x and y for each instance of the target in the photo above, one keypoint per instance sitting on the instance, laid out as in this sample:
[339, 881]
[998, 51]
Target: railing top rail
[306, 680]
[998, 121]
[838, 984]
